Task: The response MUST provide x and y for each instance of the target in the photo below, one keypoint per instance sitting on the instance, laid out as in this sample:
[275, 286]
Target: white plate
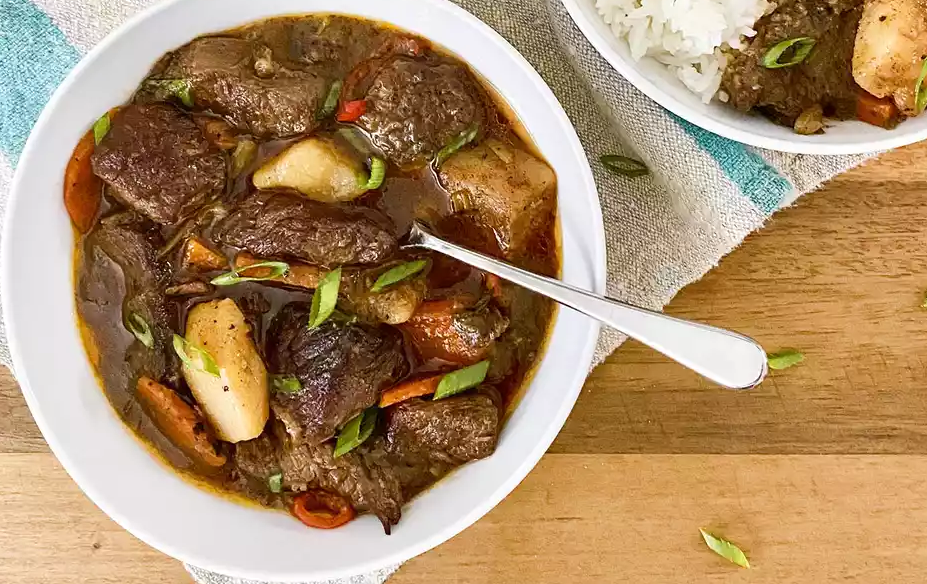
[655, 81]
[113, 468]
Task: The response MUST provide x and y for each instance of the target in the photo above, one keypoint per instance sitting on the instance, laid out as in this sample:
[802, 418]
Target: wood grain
[651, 453]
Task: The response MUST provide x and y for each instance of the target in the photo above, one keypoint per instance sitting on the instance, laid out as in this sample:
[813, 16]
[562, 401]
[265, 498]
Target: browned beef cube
[157, 162]
[284, 223]
[342, 369]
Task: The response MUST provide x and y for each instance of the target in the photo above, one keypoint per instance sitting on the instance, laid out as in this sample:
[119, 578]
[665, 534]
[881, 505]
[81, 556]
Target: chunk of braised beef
[241, 81]
[120, 278]
[449, 431]
[415, 108]
[342, 368]
[286, 224]
[363, 476]
[157, 162]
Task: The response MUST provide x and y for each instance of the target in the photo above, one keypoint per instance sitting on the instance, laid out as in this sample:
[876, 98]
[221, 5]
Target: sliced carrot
[434, 335]
[83, 190]
[179, 422]
[409, 389]
[198, 257]
[878, 111]
[299, 275]
[322, 509]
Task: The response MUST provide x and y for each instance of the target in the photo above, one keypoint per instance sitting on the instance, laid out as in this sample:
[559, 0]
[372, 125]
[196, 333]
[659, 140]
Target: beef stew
[240, 287]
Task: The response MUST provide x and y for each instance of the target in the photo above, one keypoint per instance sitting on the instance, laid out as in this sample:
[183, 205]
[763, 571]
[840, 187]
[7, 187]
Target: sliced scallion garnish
[456, 144]
[624, 166]
[195, 357]
[100, 128]
[351, 136]
[356, 431]
[179, 88]
[802, 48]
[286, 383]
[461, 380]
[377, 174]
[138, 327]
[784, 359]
[920, 92]
[275, 482]
[398, 274]
[325, 298]
[725, 549]
[331, 100]
[277, 269]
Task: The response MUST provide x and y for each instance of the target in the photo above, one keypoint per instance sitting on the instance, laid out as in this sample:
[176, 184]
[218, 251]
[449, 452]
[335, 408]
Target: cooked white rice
[688, 36]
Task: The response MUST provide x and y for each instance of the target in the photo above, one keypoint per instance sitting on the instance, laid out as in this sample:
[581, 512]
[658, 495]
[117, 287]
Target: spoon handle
[725, 357]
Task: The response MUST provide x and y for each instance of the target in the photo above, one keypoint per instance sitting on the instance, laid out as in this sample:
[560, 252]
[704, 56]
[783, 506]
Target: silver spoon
[725, 357]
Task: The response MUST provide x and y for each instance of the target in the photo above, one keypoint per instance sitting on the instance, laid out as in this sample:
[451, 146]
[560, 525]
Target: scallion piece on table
[331, 100]
[784, 359]
[285, 383]
[920, 92]
[456, 144]
[195, 357]
[138, 327]
[377, 174]
[101, 128]
[624, 166]
[233, 277]
[325, 298]
[398, 274]
[356, 431]
[275, 482]
[801, 48]
[725, 549]
[179, 88]
[461, 380]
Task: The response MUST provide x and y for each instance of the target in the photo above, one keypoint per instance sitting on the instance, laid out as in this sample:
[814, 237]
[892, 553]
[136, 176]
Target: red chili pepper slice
[322, 509]
[350, 111]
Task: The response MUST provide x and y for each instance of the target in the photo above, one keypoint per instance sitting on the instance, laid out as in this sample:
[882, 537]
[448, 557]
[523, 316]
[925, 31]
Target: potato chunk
[890, 45]
[316, 167]
[236, 402]
[509, 190]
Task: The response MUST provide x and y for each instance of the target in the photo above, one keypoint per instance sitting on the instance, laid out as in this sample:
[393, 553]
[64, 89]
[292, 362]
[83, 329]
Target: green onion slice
[285, 383]
[358, 429]
[802, 48]
[456, 144]
[784, 359]
[331, 100]
[277, 269]
[194, 357]
[624, 166]
[100, 128]
[138, 327]
[179, 88]
[377, 174]
[725, 549]
[325, 298]
[461, 380]
[275, 482]
[920, 92]
[398, 274]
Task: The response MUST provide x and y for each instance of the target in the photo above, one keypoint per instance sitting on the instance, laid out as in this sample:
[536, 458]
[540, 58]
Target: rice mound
[688, 36]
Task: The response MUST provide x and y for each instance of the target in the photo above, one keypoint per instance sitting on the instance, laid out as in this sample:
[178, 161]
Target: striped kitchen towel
[665, 230]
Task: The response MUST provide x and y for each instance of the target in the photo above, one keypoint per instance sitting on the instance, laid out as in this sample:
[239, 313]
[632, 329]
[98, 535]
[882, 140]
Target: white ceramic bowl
[113, 468]
[655, 81]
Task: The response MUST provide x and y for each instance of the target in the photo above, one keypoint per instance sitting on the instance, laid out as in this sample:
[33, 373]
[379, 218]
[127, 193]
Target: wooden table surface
[819, 473]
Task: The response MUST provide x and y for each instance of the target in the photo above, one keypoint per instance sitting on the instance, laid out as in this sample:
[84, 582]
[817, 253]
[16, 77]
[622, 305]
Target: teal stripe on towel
[34, 58]
[757, 180]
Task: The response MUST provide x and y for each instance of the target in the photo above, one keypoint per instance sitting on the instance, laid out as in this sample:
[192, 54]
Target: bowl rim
[596, 272]
[652, 90]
